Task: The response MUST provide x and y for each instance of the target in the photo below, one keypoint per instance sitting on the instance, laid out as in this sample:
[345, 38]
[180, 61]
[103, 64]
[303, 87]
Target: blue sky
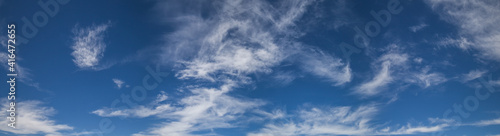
[255, 68]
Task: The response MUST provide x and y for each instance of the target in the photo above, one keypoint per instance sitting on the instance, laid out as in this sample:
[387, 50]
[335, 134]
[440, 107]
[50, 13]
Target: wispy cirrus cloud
[473, 74]
[341, 120]
[89, 46]
[460, 42]
[139, 112]
[411, 130]
[243, 39]
[326, 67]
[418, 27]
[386, 64]
[483, 123]
[119, 83]
[155, 108]
[206, 108]
[395, 66]
[477, 23]
[425, 78]
[240, 38]
[323, 121]
[33, 118]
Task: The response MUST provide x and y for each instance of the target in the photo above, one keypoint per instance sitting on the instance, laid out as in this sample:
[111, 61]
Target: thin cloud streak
[341, 120]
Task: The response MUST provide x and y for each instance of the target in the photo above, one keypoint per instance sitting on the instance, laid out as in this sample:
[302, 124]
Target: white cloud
[409, 129]
[246, 38]
[323, 121]
[89, 46]
[232, 44]
[119, 83]
[206, 108]
[461, 42]
[473, 74]
[477, 23]
[325, 66]
[33, 118]
[239, 39]
[395, 66]
[375, 85]
[426, 79]
[495, 83]
[155, 108]
[275, 114]
[388, 62]
[233, 57]
[283, 78]
[83, 133]
[342, 120]
[418, 60]
[161, 97]
[482, 123]
[418, 27]
[140, 111]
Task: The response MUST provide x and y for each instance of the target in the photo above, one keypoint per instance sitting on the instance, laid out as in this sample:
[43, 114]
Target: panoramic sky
[253, 67]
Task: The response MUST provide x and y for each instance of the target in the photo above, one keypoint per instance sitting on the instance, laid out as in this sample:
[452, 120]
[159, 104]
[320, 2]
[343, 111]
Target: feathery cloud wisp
[477, 23]
[341, 120]
[33, 118]
[119, 83]
[88, 46]
[387, 63]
